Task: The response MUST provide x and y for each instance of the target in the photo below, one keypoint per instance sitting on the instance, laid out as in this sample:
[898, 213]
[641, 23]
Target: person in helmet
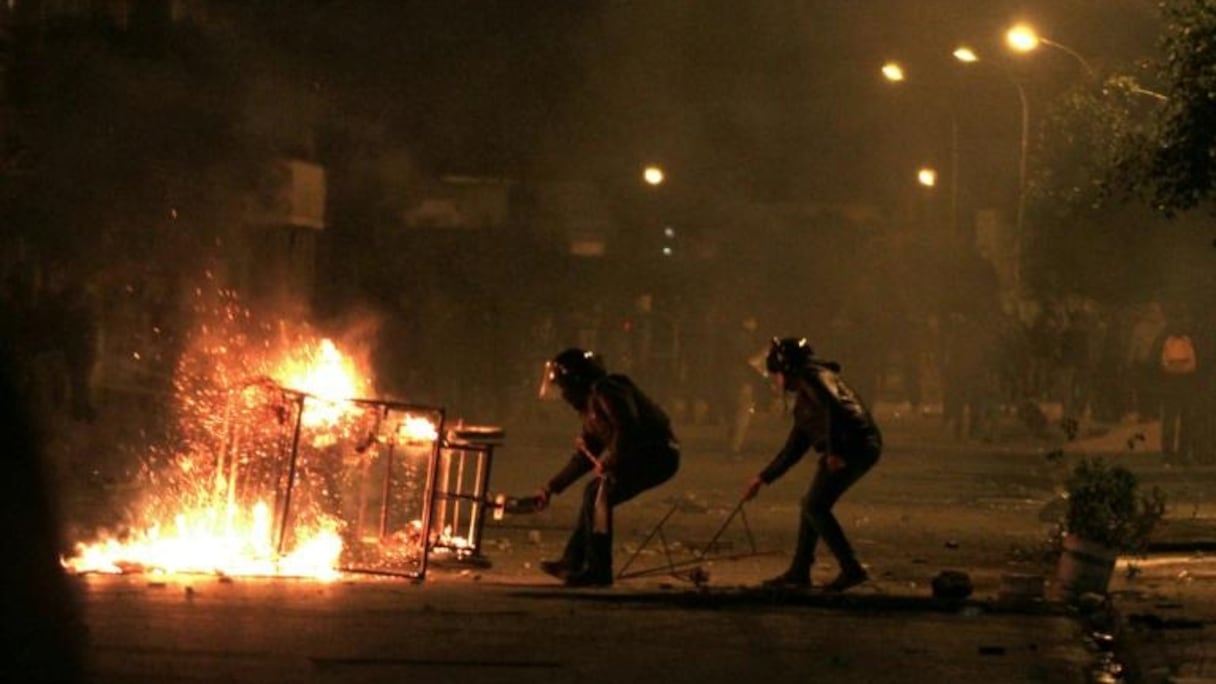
[830, 418]
[626, 439]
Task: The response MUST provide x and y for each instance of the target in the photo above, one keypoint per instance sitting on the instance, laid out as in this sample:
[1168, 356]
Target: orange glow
[207, 502]
[1022, 38]
[330, 378]
[212, 540]
[418, 429]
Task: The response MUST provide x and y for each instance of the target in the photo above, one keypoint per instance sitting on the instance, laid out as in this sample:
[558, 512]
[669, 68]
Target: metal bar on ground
[751, 540]
[657, 529]
[670, 569]
[722, 528]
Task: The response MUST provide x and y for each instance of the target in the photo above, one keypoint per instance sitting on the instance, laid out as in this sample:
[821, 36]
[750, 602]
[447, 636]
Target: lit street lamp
[965, 54]
[653, 175]
[894, 72]
[968, 56]
[1023, 38]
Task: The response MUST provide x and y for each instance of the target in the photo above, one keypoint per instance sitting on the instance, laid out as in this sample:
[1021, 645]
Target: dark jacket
[832, 419]
[627, 431]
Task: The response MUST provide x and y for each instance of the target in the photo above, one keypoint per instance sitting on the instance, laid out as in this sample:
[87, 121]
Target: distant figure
[830, 418]
[626, 439]
[1178, 388]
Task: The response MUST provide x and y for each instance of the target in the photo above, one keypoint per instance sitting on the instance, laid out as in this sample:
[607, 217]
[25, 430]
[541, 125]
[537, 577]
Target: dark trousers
[817, 520]
[588, 550]
[1177, 416]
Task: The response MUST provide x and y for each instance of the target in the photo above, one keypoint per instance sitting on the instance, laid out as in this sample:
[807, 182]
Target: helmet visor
[548, 388]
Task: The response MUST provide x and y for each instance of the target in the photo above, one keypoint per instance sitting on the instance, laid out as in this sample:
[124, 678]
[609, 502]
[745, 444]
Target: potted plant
[1107, 515]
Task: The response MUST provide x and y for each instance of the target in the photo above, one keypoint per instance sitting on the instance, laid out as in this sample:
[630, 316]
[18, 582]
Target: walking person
[626, 439]
[830, 418]
[1178, 389]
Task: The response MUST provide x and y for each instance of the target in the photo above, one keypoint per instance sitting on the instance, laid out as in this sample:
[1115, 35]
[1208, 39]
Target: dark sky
[771, 99]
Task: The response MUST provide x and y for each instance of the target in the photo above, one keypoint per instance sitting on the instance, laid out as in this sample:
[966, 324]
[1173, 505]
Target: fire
[207, 512]
[225, 542]
[418, 429]
[330, 379]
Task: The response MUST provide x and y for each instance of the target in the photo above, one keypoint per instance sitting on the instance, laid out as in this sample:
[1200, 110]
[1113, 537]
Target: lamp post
[966, 55]
[1023, 38]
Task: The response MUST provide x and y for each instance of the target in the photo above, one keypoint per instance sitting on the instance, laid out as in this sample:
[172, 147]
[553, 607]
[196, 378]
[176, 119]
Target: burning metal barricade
[361, 469]
[272, 468]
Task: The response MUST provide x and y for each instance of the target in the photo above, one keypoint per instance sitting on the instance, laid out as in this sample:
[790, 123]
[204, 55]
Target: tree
[1178, 172]
[1087, 226]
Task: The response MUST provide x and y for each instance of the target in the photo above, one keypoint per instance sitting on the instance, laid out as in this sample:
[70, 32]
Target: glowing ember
[205, 502]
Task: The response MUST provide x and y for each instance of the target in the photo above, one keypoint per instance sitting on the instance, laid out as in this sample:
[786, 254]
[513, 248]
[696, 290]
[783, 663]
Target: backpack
[1178, 355]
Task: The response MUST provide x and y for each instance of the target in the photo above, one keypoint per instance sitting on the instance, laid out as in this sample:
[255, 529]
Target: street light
[894, 72]
[653, 175]
[965, 54]
[969, 56]
[1023, 38]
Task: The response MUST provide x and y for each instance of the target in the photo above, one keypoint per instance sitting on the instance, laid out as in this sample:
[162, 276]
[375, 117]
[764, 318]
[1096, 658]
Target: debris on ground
[952, 584]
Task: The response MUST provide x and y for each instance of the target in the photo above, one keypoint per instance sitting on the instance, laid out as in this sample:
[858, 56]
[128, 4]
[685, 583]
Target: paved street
[450, 629]
[929, 506]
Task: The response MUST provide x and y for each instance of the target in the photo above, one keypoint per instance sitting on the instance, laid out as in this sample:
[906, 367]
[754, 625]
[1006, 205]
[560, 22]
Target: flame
[195, 515]
[329, 378]
[418, 429]
[212, 540]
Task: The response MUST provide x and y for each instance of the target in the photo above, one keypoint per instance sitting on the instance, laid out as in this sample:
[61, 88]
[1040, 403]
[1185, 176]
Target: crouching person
[626, 441]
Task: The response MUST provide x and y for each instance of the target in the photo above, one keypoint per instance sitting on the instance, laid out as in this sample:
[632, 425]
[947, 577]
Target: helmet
[572, 371]
[788, 355]
[576, 368]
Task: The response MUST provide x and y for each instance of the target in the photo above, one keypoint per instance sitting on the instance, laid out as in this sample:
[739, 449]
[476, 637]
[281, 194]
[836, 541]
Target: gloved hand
[542, 498]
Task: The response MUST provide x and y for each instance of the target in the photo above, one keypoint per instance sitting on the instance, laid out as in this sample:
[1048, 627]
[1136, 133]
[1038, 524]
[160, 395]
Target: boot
[790, 579]
[598, 571]
[849, 577]
[558, 568]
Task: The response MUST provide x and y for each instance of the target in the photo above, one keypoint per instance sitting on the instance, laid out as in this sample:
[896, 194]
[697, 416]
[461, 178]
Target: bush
[1105, 506]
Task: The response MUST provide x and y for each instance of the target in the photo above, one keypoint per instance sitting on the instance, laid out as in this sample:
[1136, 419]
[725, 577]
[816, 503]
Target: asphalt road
[454, 630]
[928, 506]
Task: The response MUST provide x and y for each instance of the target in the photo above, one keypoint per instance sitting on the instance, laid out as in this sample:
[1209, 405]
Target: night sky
[769, 100]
